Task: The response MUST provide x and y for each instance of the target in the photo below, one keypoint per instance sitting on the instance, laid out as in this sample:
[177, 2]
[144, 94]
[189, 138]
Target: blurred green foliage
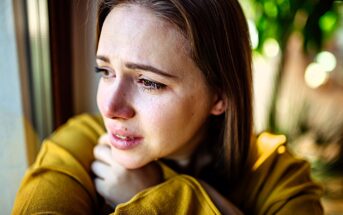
[316, 20]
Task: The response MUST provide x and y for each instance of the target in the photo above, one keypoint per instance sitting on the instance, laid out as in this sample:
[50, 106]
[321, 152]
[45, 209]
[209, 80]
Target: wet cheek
[100, 99]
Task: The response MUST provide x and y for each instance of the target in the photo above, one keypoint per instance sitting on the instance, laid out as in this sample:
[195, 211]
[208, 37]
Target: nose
[116, 100]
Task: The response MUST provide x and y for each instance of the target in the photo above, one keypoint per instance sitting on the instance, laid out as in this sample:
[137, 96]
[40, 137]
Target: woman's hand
[223, 204]
[117, 184]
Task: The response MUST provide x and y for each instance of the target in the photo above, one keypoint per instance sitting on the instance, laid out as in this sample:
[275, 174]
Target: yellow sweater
[60, 181]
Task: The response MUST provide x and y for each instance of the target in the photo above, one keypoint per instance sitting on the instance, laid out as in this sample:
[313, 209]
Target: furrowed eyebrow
[149, 69]
[139, 67]
[103, 58]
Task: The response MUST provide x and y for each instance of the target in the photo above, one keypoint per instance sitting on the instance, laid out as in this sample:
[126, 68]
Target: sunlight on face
[153, 98]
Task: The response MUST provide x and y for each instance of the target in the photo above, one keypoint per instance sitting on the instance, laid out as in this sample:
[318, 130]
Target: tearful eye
[105, 73]
[151, 85]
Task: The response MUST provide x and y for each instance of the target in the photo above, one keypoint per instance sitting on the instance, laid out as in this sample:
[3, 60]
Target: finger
[100, 186]
[103, 153]
[103, 139]
[102, 189]
[100, 169]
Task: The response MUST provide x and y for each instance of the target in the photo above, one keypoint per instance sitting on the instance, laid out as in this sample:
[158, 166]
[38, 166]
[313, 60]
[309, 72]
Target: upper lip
[122, 132]
[126, 134]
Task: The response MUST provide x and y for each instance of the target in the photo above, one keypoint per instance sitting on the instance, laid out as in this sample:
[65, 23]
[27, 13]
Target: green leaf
[270, 9]
[328, 22]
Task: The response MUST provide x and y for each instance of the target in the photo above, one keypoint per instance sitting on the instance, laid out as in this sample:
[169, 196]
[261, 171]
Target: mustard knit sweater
[60, 181]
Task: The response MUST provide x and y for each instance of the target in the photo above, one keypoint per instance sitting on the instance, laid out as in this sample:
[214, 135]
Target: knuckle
[94, 166]
[98, 150]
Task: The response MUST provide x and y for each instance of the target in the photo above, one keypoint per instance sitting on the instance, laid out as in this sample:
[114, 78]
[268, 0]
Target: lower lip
[121, 144]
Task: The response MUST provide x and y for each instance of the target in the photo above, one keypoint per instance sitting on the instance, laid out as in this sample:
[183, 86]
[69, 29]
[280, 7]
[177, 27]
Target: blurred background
[298, 77]
[47, 51]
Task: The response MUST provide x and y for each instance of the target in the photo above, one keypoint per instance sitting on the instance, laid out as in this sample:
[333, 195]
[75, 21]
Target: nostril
[119, 111]
[115, 99]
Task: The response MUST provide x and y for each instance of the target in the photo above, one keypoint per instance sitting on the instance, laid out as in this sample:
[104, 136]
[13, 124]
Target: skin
[167, 112]
[117, 184]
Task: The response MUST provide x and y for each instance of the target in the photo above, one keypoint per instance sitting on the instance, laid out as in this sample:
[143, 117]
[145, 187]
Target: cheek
[171, 119]
[100, 97]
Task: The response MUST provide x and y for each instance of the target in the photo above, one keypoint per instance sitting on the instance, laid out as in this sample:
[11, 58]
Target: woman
[175, 100]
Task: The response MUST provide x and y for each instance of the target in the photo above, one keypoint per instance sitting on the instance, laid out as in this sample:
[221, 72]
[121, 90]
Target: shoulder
[87, 125]
[62, 166]
[278, 182]
[77, 137]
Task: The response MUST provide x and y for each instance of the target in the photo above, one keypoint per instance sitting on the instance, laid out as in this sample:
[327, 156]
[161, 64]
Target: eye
[105, 73]
[151, 85]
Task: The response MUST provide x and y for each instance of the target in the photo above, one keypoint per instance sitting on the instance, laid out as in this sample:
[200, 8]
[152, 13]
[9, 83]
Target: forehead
[134, 34]
[136, 26]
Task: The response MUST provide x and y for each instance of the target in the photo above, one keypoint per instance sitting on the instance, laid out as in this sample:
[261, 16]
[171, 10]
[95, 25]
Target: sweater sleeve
[288, 187]
[181, 194]
[280, 184]
[59, 181]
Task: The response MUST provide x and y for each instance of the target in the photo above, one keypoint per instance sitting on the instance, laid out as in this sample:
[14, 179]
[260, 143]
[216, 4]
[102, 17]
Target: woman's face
[152, 97]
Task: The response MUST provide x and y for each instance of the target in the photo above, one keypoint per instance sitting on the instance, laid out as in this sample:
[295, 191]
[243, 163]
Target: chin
[129, 163]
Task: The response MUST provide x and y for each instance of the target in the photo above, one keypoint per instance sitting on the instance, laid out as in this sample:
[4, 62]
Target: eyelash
[151, 85]
[147, 84]
[105, 72]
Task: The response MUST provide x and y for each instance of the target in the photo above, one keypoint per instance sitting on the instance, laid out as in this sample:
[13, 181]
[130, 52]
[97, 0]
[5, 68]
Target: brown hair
[218, 36]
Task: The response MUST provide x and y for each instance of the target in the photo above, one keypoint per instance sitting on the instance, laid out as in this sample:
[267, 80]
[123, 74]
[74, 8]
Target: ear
[219, 105]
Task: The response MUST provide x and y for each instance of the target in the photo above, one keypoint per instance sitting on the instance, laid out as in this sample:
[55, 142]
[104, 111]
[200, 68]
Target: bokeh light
[327, 60]
[315, 75]
[253, 34]
[271, 48]
[270, 8]
[328, 21]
